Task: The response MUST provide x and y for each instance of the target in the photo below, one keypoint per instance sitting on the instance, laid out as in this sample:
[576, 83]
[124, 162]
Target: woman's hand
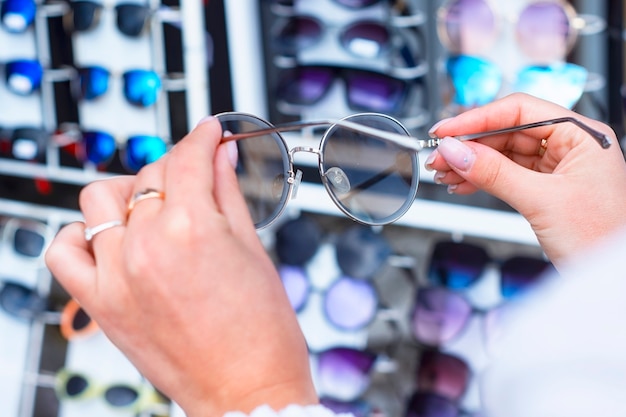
[572, 194]
[184, 288]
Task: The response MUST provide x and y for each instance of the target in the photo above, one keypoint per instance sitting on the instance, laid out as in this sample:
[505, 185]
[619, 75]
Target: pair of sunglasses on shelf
[368, 163]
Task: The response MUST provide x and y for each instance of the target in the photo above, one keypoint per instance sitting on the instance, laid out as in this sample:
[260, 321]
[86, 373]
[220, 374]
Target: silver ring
[91, 232]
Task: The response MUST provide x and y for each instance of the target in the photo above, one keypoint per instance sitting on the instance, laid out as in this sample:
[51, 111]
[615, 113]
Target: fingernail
[231, 148]
[456, 153]
[432, 130]
[429, 161]
[206, 119]
[438, 177]
[452, 188]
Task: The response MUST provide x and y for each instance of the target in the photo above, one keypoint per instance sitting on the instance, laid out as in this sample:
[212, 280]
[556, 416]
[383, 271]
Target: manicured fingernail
[438, 177]
[432, 130]
[456, 153]
[452, 188]
[428, 164]
[231, 147]
[206, 119]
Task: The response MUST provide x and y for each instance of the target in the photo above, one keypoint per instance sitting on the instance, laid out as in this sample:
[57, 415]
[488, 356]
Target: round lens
[142, 150]
[438, 315]
[296, 285]
[17, 15]
[299, 32]
[99, 147]
[467, 26]
[75, 385]
[132, 18]
[24, 76]
[20, 301]
[366, 39]
[344, 372]
[457, 265]
[351, 304]
[372, 180]
[443, 374]
[543, 32]
[476, 81]
[141, 87]
[121, 395]
[93, 82]
[369, 91]
[263, 167]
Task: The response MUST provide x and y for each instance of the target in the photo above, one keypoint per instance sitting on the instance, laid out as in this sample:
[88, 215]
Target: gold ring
[543, 146]
[144, 195]
[91, 232]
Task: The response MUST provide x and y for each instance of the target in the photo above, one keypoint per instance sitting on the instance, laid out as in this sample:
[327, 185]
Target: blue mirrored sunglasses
[477, 81]
[17, 15]
[23, 76]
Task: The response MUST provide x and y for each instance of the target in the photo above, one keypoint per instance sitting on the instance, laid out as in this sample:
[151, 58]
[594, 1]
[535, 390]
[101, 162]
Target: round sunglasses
[368, 163]
[478, 81]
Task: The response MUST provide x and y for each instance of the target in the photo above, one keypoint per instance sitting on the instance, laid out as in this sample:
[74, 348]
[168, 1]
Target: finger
[189, 167]
[103, 201]
[69, 260]
[228, 196]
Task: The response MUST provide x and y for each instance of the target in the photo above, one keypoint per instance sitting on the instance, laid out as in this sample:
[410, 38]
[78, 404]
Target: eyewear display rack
[45, 188]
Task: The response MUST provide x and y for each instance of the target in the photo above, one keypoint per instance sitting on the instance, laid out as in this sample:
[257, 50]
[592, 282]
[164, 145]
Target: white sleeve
[290, 411]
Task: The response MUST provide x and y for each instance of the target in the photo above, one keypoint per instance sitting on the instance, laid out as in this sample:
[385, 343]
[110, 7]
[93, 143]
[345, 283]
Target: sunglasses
[477, 81]
[141, 88]
[131, 18]
[25, 143]
[26, 238]
[23, 77]
[99, 148]
[74, 386]
[367, 162]
[21, 302]
[545, 30]
[459, 265]
[75, 323]
[304, 86]
[17, 16]
[443, 374]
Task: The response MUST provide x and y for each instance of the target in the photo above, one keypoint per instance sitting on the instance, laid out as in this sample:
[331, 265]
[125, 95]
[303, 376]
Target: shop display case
[267, 58]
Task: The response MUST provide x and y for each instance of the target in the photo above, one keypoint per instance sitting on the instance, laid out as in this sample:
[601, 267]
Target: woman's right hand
[572, 194]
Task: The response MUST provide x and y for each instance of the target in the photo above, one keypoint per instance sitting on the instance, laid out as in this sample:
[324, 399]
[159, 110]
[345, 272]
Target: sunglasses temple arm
[404, 141]
[603, 140]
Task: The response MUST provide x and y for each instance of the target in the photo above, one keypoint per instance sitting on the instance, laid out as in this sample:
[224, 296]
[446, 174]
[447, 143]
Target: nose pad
[338, 179]
[295, 182]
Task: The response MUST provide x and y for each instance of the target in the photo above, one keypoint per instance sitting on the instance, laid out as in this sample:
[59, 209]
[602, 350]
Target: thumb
[491, 171]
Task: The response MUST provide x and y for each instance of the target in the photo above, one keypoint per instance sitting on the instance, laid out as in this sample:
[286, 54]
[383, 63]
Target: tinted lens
[99, 147]
[297, 240]
[305, 85]
[520, 273]
[81, 320]
[370, 179]
[357, 408]
[75, 385]
[422, 404]
[121, 395]
[361, 252]
[457, 265]
[17, 15]
[132, 18]
[366, 39]
[438, 315]
[28, 242]
[141, 87]
[93, 82]
[20, 301]
[544, 32]
[84, 15]
[142, 150]
[467, 26]
[476, 81]
[23, 77]
[351, 304]
[356, 4]
[296, 285]
[262, 167]
[561, 83]
[442, 374]
[343, 373]
[29, 144]
[369, 91]
[297, 33]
